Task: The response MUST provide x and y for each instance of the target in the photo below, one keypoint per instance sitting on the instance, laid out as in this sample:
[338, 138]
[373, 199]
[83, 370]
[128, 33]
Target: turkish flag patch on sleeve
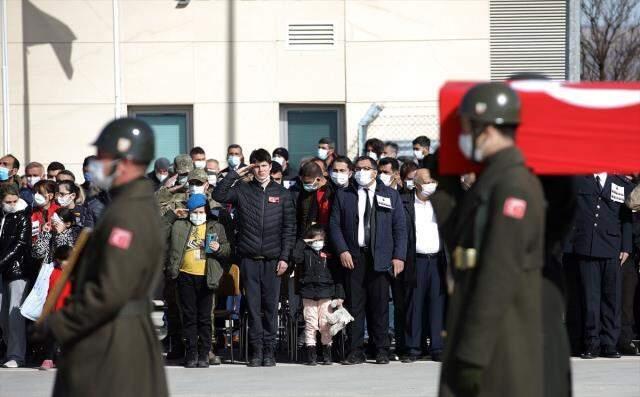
[120, 238]
[514, 208]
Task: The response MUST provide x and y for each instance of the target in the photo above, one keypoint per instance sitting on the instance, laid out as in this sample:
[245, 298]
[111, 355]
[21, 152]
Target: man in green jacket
[496, 236]
[109, 344]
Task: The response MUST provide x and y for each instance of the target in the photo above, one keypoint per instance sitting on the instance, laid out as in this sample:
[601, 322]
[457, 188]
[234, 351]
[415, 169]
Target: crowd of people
[325, 234]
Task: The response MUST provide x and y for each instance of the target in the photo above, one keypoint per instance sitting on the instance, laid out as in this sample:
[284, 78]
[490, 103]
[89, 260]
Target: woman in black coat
[15, 254]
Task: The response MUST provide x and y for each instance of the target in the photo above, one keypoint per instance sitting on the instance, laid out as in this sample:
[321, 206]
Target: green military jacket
[178, 231]
[494, 321]
[108, 350]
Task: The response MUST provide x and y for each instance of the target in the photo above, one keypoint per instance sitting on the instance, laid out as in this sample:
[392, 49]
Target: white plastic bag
[32, 306]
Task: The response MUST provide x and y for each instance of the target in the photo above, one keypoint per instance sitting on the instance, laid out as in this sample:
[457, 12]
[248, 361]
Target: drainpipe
[366, 120]
[5, 79]
[116, 60]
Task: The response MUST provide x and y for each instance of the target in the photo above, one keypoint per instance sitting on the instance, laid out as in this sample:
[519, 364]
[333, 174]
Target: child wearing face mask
[44, 206]
[62, 230]
[197, 246]
[321, 289]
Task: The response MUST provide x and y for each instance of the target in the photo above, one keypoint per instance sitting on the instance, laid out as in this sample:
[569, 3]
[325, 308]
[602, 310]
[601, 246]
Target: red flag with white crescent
[566, 128]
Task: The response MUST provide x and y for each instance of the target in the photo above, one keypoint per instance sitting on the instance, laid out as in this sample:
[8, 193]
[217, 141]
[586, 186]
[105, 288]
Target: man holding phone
[368, 230]
[266, 235]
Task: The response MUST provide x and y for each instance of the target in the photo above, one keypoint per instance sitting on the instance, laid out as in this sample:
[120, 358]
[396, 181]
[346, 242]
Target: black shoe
[382, 357]
[269, 359]
[191, 364]
[312, 358]
[411, 358]
[255, 362]
[629, 349]
[355, 358]
[326, 355]
[588, 355]
[611, 354]
[436, 356]
[203, 363]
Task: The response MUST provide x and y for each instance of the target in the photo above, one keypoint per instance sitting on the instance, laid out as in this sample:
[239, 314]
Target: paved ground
[593, 378]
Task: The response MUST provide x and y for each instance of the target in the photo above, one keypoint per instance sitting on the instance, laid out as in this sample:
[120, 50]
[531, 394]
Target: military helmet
[493, 103]
[127, 138]
[183, 164]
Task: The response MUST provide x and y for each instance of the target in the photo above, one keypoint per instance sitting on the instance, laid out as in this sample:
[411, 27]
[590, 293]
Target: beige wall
[393, 52]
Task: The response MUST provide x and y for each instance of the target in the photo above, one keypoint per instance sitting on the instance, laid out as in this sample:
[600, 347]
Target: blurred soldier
[173, 194]
[108, 340]
[493, 347]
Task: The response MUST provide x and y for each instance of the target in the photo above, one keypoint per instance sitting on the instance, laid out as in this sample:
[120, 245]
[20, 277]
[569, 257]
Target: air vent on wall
[528, 36]
[310, 35]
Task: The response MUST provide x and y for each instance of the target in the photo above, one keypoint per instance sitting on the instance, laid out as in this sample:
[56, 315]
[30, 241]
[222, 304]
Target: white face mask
[99, 177]
[279, 160]
[40, 200]
[428, 189]
[161, 177]
[32, 180]
[386, 179]
[65, 201]
[309, 187]
[212, 179]
[409, 184]
[182, 180]
[200, 164]
[373, 155]
[233, 161]
[9, 208]
[197, 218]
[418, 154]
[194, 189]
[465, 143]
[364, 178]
[340, 179]
[317, 245]
[323, 154]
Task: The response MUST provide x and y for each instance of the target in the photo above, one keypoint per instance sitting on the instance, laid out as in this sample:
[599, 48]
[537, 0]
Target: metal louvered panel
[310, 35]
[528, 36]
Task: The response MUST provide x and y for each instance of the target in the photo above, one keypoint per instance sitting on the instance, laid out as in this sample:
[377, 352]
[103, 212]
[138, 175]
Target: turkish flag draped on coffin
[566, 128]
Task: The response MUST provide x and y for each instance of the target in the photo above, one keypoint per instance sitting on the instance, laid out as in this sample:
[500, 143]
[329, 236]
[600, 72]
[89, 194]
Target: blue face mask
[88, 177]
[4, 174]
[309, 187]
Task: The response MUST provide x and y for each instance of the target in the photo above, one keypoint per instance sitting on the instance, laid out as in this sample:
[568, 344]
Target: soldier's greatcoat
[109, 344]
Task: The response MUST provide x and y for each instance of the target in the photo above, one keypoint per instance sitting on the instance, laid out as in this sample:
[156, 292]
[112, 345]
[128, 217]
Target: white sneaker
[11, 364]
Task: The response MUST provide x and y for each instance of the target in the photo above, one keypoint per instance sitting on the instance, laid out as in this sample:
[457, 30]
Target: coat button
[595, 225]
[597, 215]
[597, 206]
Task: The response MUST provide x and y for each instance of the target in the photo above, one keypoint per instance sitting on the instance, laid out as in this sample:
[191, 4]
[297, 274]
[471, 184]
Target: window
[172, 127]
[303, 126]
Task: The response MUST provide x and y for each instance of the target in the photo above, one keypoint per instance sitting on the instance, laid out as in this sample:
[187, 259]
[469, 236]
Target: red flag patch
[120, 238]
[514, 208]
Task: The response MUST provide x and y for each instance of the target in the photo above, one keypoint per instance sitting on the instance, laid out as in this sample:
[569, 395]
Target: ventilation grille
[528, 36]
[310, 35]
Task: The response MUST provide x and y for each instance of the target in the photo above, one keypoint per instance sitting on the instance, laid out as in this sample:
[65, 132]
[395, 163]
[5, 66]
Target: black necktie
[367, 218]
[598, 183]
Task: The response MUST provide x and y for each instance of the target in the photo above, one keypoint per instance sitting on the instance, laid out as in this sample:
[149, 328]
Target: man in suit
[600, 244]
[368, 232]
[424, 271]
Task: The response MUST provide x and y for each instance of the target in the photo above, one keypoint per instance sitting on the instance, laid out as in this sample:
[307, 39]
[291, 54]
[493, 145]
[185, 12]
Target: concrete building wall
[394, 52]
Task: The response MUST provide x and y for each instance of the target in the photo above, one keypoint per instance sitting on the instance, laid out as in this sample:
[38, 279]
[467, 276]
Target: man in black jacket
[266, 236]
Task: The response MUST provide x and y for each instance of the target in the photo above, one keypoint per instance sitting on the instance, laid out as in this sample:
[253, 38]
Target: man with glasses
[368, 231]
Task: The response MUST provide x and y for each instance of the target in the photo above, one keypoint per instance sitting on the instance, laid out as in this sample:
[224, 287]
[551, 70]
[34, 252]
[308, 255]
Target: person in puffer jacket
[15, 253]
[321, 288]
[266, 232]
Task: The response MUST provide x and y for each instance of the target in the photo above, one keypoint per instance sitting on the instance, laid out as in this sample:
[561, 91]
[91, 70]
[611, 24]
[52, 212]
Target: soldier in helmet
[496, 237]
[108, 340]
[173, 194]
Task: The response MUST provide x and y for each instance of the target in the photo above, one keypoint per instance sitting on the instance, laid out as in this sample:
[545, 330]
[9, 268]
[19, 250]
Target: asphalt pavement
[592, 378]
